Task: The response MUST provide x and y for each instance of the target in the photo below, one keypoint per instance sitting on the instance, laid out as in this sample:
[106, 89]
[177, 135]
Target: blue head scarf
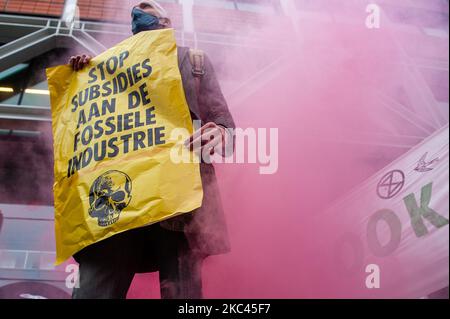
[143, 21]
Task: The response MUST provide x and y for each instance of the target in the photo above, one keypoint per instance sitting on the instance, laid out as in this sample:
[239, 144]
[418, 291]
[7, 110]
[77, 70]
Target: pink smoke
[325, 88]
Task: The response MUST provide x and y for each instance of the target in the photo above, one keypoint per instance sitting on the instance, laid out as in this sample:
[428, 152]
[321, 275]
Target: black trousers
[107, 268]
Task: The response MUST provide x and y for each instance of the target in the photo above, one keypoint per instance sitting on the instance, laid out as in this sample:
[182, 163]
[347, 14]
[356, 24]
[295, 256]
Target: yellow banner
[113, 125]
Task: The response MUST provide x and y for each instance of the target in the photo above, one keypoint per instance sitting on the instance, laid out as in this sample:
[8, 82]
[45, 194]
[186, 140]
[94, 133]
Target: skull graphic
[109, 195]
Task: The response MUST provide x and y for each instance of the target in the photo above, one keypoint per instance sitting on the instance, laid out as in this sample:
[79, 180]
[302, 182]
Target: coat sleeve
[212, 104]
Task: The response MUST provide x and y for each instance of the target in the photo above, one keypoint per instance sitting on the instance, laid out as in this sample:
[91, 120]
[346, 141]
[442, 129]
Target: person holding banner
[176, 247]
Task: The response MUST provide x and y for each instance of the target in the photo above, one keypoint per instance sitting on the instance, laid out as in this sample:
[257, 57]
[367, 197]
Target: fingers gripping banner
[112, 127]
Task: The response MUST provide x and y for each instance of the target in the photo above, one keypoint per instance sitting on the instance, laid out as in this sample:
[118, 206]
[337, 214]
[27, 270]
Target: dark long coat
[205, 228]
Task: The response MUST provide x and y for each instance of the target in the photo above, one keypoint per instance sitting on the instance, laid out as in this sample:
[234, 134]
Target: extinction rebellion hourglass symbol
[391, 184]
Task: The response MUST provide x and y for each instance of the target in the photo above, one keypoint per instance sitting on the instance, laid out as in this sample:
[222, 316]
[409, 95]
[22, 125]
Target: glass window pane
[255, 7]
[37, 95]
[11, 259]
[224, 4]
[30, 234]
[10, 82]
[9, 97]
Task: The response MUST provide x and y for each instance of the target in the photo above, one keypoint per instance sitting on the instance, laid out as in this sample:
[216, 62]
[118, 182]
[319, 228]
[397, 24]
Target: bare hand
[78, 62]
[207, 137]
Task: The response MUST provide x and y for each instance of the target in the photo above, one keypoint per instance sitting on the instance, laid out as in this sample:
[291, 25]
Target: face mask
[143, 21]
